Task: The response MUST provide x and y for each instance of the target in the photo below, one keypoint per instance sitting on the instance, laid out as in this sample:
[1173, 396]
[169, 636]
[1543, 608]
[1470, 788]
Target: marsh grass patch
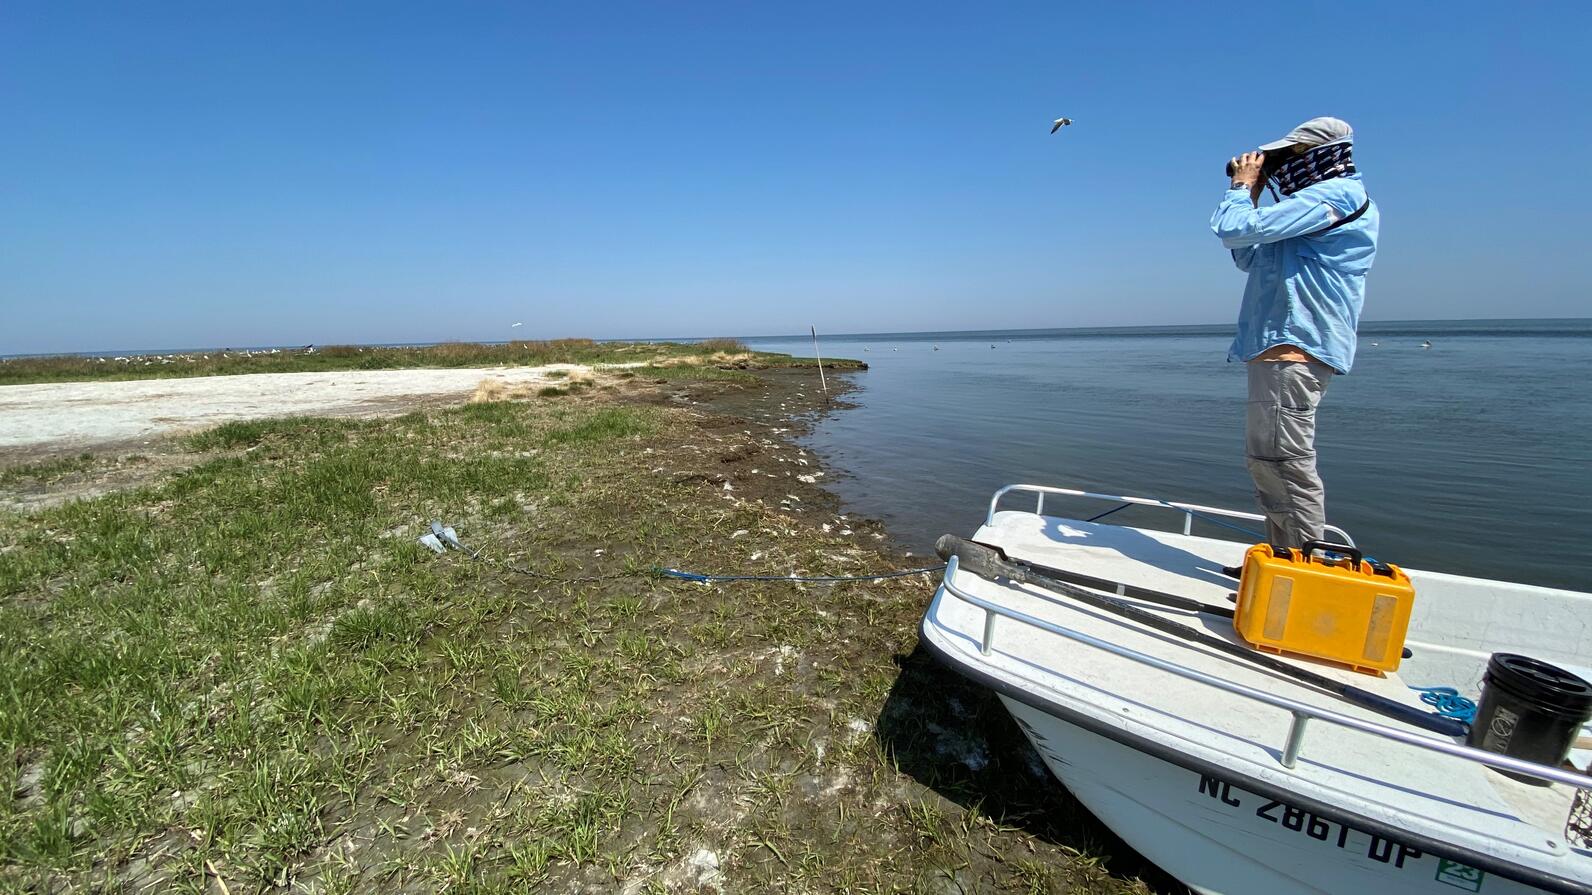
[564, 382]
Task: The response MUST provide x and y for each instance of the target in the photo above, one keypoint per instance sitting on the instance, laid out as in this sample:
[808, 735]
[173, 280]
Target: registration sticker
[1459, 876]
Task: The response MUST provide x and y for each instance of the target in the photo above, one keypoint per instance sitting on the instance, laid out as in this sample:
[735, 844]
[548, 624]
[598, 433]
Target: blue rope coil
[1448, 702]
[696, 576]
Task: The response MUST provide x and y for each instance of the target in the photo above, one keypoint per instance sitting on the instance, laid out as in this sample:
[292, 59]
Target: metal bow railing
[1190, 511]
[1302, 712]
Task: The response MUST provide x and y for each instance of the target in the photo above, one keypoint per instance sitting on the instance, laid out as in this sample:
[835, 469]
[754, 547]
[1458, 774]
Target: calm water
[1470, 457]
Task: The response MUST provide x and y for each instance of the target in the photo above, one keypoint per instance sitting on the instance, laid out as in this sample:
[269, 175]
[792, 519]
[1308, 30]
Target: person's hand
[1246, 170]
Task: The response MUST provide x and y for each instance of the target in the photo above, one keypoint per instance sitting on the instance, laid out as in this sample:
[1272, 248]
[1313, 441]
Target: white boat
[1237, 780]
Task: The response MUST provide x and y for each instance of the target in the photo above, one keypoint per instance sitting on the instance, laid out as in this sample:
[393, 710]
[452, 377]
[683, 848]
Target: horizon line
[1105, 328]
[792, 336]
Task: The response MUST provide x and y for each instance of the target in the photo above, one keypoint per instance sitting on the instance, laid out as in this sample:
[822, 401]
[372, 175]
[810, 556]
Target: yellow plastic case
[1343, 609]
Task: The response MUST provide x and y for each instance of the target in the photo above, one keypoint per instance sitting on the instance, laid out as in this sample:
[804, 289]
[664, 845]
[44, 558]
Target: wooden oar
[987, 563]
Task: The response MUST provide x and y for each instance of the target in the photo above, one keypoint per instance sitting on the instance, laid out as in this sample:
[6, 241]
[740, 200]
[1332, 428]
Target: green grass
[599, 425]
[249, 668]
[248, 433]
[47, 471]
[217, 362]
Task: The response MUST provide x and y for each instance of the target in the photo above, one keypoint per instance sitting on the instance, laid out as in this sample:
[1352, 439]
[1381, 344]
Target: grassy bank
[247, 675]
[220, 362]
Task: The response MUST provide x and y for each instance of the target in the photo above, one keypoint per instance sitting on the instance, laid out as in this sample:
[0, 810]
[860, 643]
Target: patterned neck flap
[1320, 163]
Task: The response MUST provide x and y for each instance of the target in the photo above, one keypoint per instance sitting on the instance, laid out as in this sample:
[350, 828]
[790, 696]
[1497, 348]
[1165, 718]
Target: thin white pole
[821, 380]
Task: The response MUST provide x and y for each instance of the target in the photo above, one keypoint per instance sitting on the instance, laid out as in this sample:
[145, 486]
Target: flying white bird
[512, 325]
[1060, 123]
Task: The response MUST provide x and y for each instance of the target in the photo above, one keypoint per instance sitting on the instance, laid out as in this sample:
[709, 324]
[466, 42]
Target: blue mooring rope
[694, 576]
[1448, 702]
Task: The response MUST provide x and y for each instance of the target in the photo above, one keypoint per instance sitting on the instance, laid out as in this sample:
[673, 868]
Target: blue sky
[282, 173]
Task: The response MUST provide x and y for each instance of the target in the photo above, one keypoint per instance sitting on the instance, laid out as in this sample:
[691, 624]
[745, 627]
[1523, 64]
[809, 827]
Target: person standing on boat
[1307, 256]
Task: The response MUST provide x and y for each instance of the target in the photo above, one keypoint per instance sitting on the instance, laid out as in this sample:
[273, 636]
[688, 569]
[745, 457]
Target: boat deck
[1443, 796]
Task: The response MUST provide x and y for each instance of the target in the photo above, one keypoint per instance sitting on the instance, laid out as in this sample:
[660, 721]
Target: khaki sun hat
[1315, 132]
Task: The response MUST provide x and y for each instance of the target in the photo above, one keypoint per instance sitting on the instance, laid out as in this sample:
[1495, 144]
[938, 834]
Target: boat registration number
[1379, 849]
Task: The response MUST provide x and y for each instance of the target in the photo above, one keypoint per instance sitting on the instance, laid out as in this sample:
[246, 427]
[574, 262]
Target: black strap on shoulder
[1341, 221]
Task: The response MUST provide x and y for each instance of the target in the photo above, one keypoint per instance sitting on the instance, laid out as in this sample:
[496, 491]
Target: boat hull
[1220, 839]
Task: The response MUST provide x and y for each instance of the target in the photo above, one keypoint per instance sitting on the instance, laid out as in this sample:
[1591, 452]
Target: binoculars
[1268, 165]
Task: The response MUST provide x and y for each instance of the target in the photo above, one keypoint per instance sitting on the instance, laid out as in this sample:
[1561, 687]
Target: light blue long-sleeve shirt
[1303, 290]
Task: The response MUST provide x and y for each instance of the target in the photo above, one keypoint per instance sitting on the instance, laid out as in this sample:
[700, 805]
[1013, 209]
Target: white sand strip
[72, 415]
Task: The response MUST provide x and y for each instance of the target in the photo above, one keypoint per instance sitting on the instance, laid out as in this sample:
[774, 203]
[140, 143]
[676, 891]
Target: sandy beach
[71, 416]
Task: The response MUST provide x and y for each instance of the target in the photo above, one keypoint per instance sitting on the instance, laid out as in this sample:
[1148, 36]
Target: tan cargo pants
[1280, 446]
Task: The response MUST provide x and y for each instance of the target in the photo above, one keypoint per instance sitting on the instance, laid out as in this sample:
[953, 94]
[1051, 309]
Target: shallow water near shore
[1469, 457]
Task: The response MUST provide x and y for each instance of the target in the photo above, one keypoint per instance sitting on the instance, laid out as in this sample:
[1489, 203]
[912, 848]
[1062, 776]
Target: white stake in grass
[821, 381]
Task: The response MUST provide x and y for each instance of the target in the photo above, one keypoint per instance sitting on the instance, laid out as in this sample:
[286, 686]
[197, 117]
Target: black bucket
[1529, 710]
